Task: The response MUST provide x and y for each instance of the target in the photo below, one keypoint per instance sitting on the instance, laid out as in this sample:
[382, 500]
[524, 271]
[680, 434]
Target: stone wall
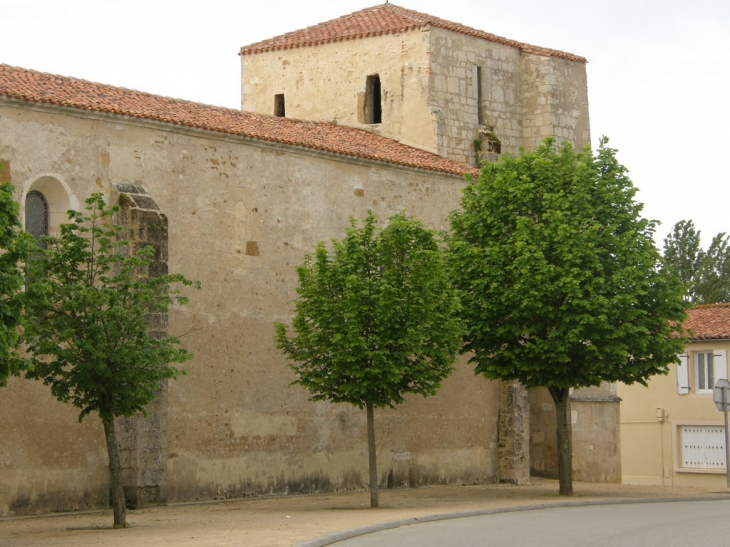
[465, 69]
[595, 434]
[142, 440]
[442, 91]
[514, 433]
[241, 214]
[555, 99]
[481, 90]
[328, 83]
[596, 438]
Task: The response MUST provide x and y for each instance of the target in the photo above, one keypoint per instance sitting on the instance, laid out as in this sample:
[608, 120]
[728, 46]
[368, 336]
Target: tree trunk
[372, 459]
[119, 504]
[561, 397]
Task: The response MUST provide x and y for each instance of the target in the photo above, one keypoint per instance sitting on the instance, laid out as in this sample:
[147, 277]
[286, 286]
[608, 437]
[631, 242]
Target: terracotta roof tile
[708, 322]
[39, 87]
[385, 19]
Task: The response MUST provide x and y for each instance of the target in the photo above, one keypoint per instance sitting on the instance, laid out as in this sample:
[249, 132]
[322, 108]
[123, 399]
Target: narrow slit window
[373, 105]
[279, 105]
[480, 115]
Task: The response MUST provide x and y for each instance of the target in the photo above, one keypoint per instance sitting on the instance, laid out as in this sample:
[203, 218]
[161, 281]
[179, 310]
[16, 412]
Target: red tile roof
[385, 19]
[708, 322]
[39, 87]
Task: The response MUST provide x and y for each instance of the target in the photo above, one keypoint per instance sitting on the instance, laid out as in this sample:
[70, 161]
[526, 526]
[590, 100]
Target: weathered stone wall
[514, 433]
[442, 90]
[48, 461]
[596, 438]
[555, 99]
[595, 434]
[142, 440]
[481, 88]
[543, 445]
[460, 65]
[241, 215]
[328, 83]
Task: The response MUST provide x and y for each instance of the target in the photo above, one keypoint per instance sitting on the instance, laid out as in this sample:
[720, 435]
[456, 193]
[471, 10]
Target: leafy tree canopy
[375, 318]
[14, 246]
[560, 275]
[90, 339]
[560, 278]
[704, 273]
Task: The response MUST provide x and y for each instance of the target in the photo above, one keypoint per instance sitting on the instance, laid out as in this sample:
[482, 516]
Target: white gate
[703, 447]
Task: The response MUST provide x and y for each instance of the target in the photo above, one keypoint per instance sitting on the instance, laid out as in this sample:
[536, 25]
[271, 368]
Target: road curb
[356, 532]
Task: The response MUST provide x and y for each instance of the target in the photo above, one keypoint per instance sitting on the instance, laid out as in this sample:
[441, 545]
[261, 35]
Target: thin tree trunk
[372, 459]
[561, 398]
[119, 504]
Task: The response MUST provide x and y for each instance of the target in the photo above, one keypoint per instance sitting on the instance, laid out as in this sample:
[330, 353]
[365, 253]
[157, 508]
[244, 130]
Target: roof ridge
[715, 305]
[68, 92]
[356, 25]
[75, 79]
[261, 45]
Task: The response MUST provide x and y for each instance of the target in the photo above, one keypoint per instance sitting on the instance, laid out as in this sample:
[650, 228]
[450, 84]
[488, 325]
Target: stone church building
[384, 109]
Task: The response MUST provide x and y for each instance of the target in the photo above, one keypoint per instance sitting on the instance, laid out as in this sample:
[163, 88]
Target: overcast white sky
[658, 71]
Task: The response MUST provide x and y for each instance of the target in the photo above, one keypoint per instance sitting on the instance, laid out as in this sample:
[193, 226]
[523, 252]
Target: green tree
[704, 273]
[89, 340]
[375, 319]
[560, 278]
[14, 246]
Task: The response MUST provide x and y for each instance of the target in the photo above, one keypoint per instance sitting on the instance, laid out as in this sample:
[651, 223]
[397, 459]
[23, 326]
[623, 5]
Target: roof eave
[20, 102]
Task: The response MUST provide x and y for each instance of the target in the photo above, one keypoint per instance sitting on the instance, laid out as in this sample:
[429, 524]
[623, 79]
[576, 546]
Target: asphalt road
[667, 524]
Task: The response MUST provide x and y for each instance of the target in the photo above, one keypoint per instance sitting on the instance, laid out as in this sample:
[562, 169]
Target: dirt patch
[289, 520]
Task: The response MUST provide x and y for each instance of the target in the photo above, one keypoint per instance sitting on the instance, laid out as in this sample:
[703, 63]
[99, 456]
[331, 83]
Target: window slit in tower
[480, 108]
[373, 104]
[279, 105]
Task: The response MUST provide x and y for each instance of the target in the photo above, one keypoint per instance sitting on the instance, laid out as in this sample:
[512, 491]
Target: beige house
[244, 194]
[671, 431]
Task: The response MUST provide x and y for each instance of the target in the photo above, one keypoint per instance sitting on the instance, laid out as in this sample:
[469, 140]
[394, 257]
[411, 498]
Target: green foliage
[89, 338]
[704, 273]
[375, 318]
[14, 246]
[559, 274]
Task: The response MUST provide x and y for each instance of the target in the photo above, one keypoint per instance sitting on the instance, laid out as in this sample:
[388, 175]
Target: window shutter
[720, 364]
[683, 376]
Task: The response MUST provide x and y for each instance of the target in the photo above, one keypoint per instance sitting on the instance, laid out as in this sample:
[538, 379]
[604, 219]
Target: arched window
[46, 205]
[36, 214]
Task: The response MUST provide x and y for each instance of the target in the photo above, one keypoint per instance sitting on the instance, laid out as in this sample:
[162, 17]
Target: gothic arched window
[36, 214]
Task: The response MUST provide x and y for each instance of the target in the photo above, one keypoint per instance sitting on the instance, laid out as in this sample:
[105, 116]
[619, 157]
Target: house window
[36, 214]
[698, 371]
[704, 371]
[702, 447]
[373, 109]
[279, 105]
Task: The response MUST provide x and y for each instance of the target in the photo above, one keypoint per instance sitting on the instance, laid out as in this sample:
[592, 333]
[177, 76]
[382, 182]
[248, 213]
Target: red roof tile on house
[43, 88]
[385, 19]
[708, 322]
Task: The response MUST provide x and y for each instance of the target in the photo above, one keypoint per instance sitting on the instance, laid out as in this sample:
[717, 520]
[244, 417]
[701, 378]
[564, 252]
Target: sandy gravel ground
[290, 520]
